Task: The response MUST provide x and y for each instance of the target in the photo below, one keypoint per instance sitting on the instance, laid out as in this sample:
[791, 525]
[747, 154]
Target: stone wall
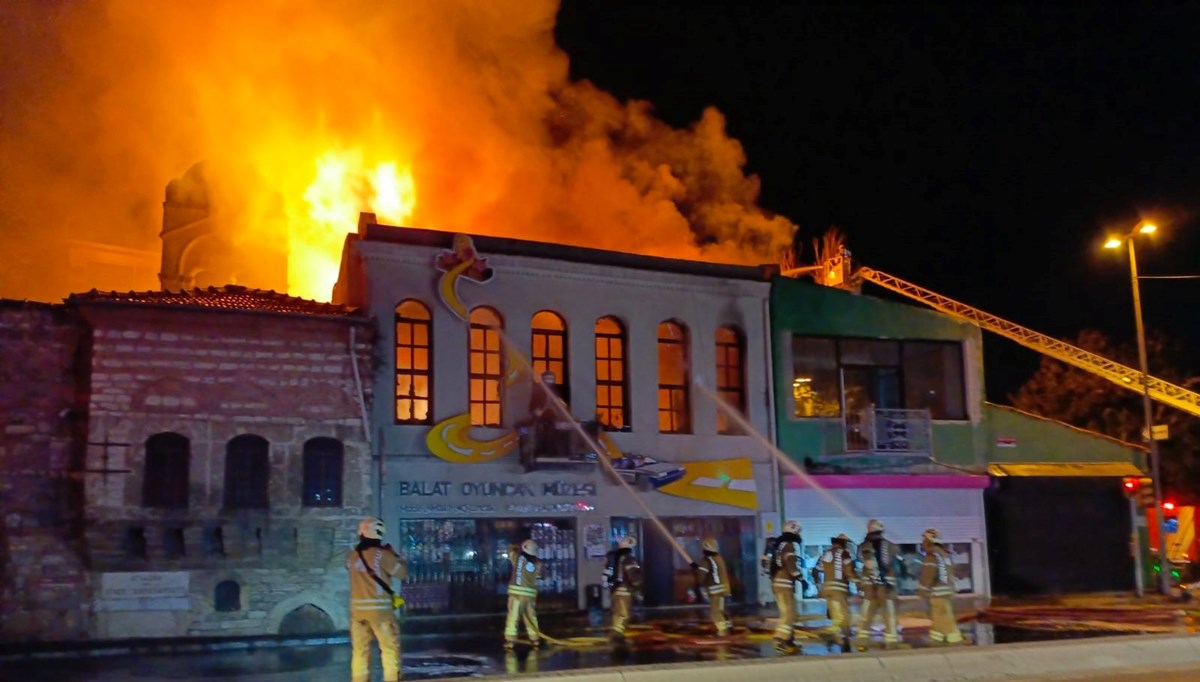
[212, 376]
[43, 582]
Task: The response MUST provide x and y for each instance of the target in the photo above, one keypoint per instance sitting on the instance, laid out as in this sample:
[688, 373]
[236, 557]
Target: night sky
[980, 151]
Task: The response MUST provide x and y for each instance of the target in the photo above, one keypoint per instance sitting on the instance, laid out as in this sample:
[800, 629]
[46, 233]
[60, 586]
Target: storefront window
[960, 553]
[815, 387]
[911, 557]
[933, 378]
[829, 375]
[675, 586]
[461, 566]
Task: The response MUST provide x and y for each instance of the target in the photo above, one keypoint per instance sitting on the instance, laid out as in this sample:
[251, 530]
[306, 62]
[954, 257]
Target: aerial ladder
[836, 272]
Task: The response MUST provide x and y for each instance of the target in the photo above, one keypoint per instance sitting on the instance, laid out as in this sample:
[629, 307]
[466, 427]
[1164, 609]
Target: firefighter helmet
[372, 528]
[709, 545]
[529, 547]
[933, 536]
[792, 527]
[875, 526]
[840, 539]
[627, 542]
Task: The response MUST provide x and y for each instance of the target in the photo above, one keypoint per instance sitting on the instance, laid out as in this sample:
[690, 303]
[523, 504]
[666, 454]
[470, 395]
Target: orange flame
[324, 110]
[344, 185]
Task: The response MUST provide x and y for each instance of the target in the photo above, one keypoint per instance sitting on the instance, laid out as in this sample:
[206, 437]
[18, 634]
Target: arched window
[247, 472]
[227, 596]
[486, 368]
[414, 363]
[323, 472]
[612, 389]
[550, 349]
[731, 377]
[165, 484]
[674, 381]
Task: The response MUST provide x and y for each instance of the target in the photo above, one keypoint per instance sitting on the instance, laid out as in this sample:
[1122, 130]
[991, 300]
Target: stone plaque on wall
[146, 591]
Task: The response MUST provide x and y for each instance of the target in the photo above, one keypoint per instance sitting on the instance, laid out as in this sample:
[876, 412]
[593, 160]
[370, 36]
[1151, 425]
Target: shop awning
[1114, 469]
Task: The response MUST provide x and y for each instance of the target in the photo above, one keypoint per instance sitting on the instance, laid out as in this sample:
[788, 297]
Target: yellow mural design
[448, 289]
[451, 440]
[729, 481]
[460, 261]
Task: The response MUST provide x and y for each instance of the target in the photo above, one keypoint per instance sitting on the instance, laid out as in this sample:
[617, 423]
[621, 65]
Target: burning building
[206, 240]
[638, 349]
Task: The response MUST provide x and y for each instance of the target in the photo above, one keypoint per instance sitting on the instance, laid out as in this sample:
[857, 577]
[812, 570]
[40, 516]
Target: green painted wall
[1045, 440]
[802, 307]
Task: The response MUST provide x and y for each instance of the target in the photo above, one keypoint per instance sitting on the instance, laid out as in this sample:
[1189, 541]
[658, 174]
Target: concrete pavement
[1084, 659]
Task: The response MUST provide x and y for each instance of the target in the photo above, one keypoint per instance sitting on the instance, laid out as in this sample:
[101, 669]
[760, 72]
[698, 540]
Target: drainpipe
[366, 424]
[769, 369]
[769, 366]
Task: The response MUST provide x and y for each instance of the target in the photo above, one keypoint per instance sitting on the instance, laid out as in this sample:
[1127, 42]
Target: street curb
[1108, 654]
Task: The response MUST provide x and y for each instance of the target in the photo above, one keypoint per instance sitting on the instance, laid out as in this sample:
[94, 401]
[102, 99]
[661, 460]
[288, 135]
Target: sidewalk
[1076, 658]
[811, 611]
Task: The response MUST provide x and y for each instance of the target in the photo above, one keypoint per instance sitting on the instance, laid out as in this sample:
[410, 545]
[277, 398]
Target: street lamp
[1164, 571]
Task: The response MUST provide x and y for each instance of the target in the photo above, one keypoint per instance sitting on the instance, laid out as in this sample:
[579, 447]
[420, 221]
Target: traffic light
[1170, 516]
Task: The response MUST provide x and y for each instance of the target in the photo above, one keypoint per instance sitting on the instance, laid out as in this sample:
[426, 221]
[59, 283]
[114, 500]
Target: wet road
[680, 638]
[441, 657]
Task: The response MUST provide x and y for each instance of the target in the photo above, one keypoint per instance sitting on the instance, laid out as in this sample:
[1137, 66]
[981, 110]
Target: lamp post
[1164, 571]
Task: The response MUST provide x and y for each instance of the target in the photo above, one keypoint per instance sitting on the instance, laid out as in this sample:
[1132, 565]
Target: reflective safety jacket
[786, 568]
[367, 597]
[624, 573]
[937, 573]
[714, 574]
[881, 562]
[525, 571]
[838, 566]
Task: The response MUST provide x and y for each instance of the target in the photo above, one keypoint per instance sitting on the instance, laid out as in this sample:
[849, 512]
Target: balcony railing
[887, 431]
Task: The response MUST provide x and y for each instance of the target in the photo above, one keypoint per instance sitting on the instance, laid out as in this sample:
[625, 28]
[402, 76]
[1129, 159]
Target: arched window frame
[612, 374]
[674, 388]
[731, 376]
[485, 367]
[548, 348]
[324, 460]
[247, 472]
[165, 483]
[414, 363]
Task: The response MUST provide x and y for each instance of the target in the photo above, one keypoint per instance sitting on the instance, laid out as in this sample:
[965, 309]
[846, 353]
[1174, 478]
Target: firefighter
[715, 580]
[783, 559]
[372, 566]
[837, 565]
[878, 584]
[936, 583]
[522, 594]
[624, 580]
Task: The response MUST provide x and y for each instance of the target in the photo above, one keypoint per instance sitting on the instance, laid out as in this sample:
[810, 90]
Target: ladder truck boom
[1126, 377]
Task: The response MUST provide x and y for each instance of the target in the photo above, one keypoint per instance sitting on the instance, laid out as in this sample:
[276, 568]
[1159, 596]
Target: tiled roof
[228, 297]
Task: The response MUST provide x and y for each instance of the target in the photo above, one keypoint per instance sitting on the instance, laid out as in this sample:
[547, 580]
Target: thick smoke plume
[462, 109]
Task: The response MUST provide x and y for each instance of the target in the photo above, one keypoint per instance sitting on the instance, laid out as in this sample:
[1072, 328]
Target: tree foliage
[1074, 396]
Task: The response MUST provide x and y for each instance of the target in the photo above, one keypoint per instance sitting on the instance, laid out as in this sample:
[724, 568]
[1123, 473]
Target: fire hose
[1131, 618]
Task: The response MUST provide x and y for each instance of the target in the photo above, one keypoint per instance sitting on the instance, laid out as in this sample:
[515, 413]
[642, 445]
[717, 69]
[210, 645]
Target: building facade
[42, 567]
[881, 409]
[639, 350]
[210, 450]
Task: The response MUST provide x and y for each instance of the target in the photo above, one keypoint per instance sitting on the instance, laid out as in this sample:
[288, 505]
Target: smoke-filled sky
[465, 103]
[979, 149]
